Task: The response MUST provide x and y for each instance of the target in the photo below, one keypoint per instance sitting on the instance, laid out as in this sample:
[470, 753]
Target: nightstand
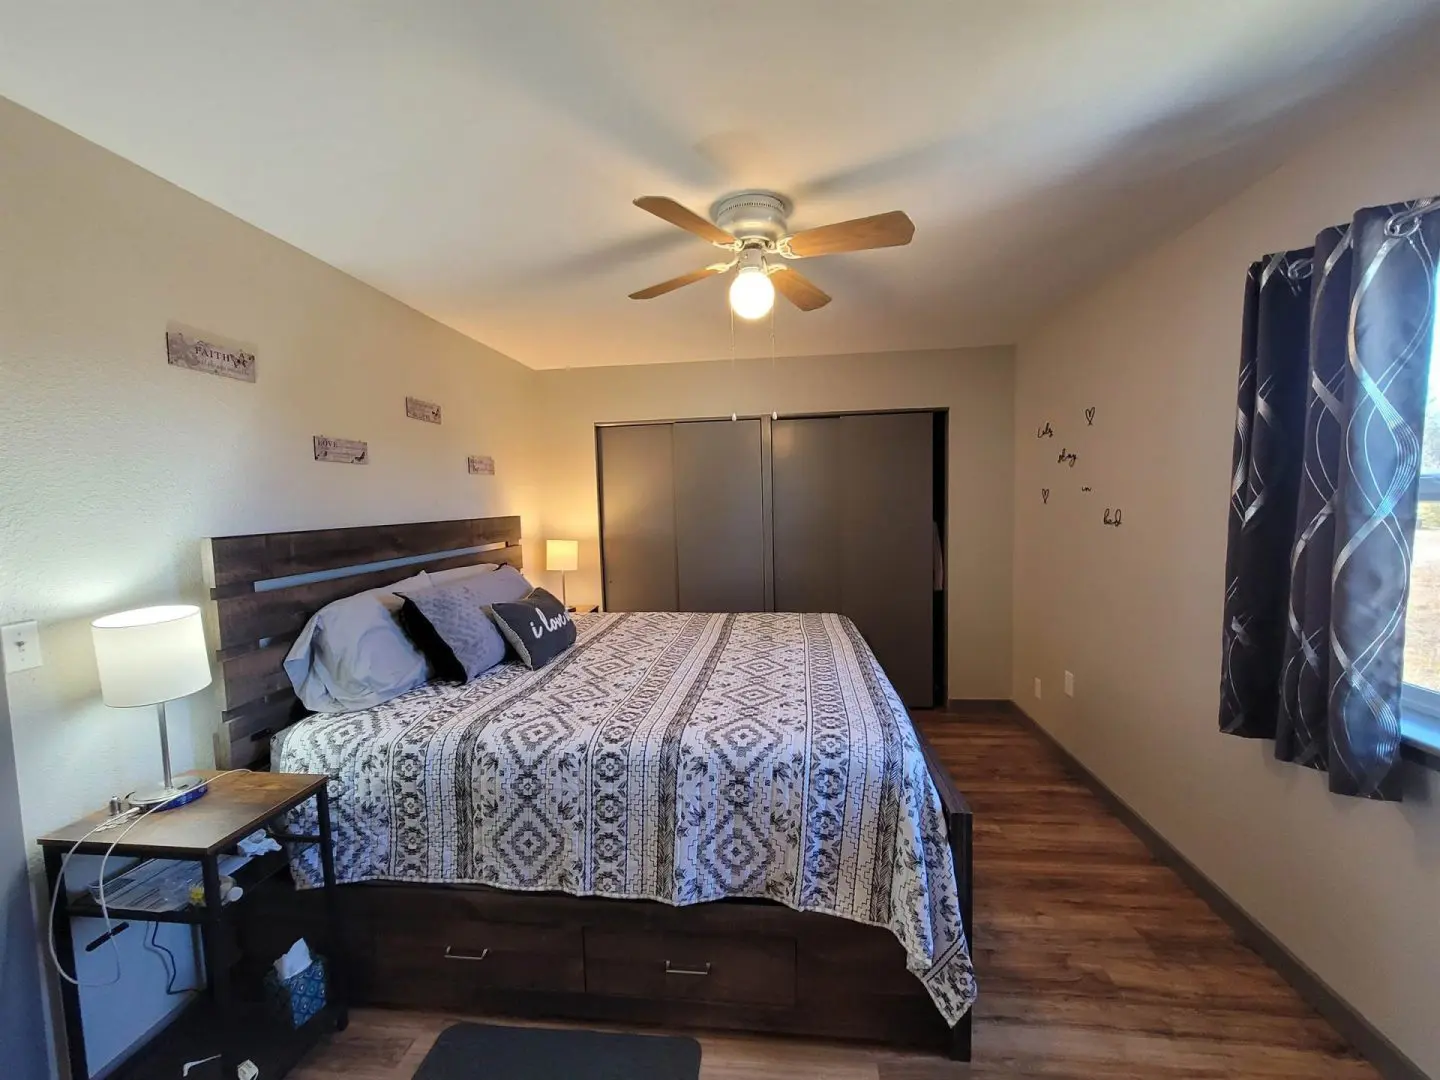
[236, 805]
[584, 609]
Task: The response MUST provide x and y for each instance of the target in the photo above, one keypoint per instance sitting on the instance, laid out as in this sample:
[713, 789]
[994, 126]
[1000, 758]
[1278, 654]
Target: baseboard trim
[1367, 1040]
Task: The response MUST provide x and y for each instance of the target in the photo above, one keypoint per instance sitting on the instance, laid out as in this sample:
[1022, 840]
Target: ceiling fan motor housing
[752, 215]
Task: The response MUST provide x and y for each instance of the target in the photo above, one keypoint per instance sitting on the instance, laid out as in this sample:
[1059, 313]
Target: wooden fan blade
[680, 282]
[671, 211]
[798, 289]
[882, 230]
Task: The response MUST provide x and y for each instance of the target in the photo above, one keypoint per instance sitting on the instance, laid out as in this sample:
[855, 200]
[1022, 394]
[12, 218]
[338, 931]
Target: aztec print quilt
[666, 756]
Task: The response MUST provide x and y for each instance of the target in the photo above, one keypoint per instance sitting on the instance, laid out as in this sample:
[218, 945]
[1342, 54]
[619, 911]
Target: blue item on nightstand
[298, 998]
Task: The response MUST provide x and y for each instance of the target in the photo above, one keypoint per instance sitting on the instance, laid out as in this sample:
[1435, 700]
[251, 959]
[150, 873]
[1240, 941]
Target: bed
[687, 819]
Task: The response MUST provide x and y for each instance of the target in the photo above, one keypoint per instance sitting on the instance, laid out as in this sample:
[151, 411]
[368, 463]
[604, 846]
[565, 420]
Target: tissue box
[297, 999]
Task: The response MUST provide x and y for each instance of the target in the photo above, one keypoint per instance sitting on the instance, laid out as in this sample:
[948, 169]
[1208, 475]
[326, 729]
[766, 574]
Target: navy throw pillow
[538, 627]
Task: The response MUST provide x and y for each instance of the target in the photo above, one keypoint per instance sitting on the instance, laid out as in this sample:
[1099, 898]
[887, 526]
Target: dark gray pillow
[538, 627]
[450, 627]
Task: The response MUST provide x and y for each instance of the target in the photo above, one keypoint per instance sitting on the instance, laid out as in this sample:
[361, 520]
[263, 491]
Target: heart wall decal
[1044, 495]
[1090, 416]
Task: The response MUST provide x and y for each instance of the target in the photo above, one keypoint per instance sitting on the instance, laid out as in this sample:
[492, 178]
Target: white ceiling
[477, 158]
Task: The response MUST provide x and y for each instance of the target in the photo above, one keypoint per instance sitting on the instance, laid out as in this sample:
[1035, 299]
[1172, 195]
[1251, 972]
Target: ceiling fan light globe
[751, 293]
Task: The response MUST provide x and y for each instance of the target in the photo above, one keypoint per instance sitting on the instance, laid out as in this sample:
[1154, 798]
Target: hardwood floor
[1094, 960]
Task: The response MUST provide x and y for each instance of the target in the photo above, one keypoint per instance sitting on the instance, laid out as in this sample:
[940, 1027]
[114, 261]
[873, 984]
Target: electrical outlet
[1069, 684]
[1037, 686]
[21, 642]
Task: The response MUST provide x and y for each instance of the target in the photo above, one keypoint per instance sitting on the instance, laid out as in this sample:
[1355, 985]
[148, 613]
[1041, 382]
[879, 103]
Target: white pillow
[439, 577]
[352, 653]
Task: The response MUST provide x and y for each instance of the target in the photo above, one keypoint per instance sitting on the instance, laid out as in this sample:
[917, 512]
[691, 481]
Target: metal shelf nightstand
[237, 805]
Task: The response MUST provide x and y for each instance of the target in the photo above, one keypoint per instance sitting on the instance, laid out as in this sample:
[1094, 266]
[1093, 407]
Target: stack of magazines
[159, 884]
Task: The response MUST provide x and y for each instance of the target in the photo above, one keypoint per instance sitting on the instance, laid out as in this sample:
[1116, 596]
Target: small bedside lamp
[562, 555]
[148, 657]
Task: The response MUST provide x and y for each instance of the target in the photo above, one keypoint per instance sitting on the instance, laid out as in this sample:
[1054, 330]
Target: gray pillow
[352, 653]
[460, 573]
[450, 626]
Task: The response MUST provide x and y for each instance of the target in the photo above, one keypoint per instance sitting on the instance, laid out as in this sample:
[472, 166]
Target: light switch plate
[1069, 684]
[21, 642]
[1037, 687]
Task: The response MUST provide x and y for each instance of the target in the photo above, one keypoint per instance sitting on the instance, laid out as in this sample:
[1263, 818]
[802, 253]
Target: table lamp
[562, 555]
[147, 657]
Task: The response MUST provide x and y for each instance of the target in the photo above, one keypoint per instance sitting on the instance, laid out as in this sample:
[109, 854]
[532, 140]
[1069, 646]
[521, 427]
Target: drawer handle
[451, 954]
[671, 969]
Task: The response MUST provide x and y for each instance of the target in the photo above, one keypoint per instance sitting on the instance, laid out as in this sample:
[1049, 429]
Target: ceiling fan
[751, 224]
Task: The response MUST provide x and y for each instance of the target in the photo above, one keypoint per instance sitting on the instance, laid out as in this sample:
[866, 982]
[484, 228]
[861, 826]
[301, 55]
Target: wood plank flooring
[1094, 960]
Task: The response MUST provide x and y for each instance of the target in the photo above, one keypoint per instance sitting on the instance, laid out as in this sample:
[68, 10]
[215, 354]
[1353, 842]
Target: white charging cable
[134, 818]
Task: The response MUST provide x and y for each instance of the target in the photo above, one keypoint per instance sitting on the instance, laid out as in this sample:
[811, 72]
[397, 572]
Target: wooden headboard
[255, 613]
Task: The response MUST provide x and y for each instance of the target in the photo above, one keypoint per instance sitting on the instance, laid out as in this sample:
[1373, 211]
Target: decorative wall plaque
[199, 350]
[427, 411]
[344, 451]
[481, 466]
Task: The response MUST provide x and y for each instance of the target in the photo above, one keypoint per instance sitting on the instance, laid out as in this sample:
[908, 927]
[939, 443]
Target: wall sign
[344, 451]
[427, 411]
[198, 350]
[481, 466]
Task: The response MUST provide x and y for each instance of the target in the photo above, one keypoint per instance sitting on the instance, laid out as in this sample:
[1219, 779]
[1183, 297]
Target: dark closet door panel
[719, 516]
[808, 513]
[637, 517]
[854, 533]
[889, 549]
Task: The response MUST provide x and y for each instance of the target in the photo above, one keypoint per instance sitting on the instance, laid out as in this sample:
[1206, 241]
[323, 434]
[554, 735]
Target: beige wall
[975, 384]
[114, 465]
[1352, 888]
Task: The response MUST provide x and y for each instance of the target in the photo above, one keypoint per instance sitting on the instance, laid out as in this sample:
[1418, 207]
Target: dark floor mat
[487, 1052]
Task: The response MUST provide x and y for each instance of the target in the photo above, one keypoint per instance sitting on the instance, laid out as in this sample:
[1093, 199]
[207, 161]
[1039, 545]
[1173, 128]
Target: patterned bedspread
[667, 756]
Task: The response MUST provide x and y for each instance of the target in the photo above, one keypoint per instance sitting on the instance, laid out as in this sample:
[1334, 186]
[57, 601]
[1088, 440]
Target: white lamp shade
[562, 554]
[151, 655]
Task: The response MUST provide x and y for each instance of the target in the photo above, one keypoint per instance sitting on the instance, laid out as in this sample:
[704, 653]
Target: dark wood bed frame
[736, 965]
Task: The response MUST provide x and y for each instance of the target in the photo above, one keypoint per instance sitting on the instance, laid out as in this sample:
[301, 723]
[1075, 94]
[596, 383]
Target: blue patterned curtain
[1329, 414]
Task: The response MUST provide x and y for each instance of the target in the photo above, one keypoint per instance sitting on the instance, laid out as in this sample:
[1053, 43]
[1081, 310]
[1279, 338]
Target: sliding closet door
[854, 532]
[637, 517]
[682, 516]
[808, 480]
[889, 526]
[719, 515]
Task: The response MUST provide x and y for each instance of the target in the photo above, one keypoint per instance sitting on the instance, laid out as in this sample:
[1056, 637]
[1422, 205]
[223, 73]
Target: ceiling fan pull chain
[774, 413]
[734, 390]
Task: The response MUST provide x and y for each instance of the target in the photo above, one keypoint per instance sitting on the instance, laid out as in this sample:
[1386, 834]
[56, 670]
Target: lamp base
[182, 791]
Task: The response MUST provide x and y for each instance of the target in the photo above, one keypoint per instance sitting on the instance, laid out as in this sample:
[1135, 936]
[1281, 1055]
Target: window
[1421, 696]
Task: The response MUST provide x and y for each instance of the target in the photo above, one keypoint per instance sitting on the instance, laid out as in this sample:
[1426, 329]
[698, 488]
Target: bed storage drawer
[449, 962]
[692, 967]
